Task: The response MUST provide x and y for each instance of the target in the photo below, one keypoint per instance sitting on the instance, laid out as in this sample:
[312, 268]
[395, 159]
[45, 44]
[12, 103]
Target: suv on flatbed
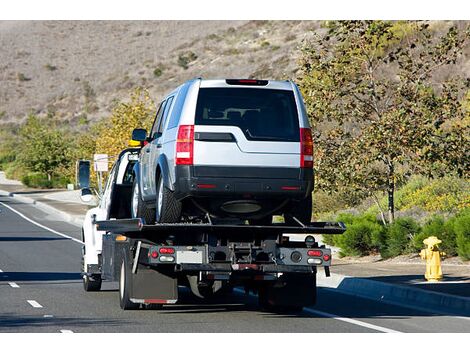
[228, 148]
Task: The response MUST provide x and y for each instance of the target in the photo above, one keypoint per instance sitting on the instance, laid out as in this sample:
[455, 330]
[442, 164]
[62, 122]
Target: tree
[377, 110]
[113, 134]
[43, 147]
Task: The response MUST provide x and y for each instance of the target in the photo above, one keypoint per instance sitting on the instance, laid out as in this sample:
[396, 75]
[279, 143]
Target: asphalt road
[41, 291]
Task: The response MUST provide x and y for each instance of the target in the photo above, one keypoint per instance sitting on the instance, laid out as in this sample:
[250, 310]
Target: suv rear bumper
[257, 182]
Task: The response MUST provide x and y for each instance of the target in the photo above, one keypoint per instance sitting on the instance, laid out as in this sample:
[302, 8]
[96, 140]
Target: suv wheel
[138, 207]
[301, 210]
[168, 209]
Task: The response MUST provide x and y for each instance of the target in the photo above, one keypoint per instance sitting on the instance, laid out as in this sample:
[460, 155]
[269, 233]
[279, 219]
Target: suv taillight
[306, 148]
[185, 145]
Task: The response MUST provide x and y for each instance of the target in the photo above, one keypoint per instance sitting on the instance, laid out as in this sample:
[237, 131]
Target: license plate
[189, 257]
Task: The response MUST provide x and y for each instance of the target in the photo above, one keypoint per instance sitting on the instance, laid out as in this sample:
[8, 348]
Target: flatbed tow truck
[151, 261]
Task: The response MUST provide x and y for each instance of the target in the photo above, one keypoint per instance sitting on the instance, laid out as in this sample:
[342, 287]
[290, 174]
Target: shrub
[443, 230]
[185, 59]
[363, 235]
[158, 71]
[443, 194]
[15, 171]
[36, 180]
[399, 234]
[462, 233]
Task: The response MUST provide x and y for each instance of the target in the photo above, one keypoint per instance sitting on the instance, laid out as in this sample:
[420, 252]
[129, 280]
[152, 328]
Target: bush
[443, 230]
[442, 194]
[399, 235]
[15, 171]
[462, 233]
[363, 236]
[185, 59]
[36, 180]
[158, 71]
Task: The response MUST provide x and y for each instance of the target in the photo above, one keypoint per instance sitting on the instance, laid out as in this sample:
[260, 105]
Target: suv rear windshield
[262, 114]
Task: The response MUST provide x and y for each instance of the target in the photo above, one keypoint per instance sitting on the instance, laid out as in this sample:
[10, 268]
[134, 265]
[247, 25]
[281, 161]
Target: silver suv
[233, 148]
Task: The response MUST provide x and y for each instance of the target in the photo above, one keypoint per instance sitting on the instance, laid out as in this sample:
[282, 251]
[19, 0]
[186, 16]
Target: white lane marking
[66, 331]
[34, 304]
[351, 321]
[13, 284]
[336, 317]
[48, 316]
[41, 226]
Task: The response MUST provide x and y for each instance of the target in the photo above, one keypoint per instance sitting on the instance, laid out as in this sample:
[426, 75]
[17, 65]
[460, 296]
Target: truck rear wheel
[168, 209]
[290, 295]
[138, 208]
[92, 283]
[124, 286]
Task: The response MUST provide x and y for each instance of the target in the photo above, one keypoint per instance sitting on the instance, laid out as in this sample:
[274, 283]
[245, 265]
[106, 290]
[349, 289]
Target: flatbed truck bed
[151, 261]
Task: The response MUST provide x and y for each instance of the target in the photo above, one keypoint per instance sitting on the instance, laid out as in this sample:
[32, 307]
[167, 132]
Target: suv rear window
[262, 114]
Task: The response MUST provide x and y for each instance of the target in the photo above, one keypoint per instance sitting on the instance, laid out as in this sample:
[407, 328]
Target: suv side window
[165, 114]
[178, 106]
[157, 119]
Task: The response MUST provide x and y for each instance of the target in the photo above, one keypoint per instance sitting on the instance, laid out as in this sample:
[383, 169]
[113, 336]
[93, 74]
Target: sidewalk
[399, 280]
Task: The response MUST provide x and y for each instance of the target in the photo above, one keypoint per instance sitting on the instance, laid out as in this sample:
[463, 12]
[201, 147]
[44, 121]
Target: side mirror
[83, 173]
[139, 134]
[86, 195]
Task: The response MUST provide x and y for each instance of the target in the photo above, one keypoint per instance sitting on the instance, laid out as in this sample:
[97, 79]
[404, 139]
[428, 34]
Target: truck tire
[124, 286]
[299, 291]
[302, 210]
[168, 209]
[138, 208]
[92, 284]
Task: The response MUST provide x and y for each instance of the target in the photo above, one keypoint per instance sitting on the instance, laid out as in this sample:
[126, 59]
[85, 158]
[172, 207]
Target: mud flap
[153, 286]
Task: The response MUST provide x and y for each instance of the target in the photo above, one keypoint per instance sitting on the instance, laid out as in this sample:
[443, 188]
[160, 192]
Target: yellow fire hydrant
[432, 255]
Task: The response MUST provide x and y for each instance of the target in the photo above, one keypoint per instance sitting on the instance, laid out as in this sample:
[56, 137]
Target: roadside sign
[100, 162]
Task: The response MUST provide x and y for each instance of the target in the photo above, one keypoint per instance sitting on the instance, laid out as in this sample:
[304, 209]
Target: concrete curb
[73, 219]
[402, 295]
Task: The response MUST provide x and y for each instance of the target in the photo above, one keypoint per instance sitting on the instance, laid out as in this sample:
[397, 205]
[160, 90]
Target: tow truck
[151, 261]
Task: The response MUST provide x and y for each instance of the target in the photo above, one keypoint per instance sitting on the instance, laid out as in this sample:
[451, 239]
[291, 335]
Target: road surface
[41, 291]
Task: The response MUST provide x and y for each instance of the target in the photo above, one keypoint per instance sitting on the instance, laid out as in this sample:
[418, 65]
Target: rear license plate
[189, 257]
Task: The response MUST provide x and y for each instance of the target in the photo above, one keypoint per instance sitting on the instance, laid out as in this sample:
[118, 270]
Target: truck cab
[113, 204]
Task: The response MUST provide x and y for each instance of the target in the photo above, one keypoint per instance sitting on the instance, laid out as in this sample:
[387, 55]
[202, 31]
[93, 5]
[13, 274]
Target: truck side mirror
[139, 134]
[83, 173]
[86, 195]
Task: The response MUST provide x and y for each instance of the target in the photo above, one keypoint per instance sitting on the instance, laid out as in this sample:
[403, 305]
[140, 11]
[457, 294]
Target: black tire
[267, 306]
[299, 291]
[124, 282]
[168, 209]
[91, 284]
[138, 208]
[302, 210]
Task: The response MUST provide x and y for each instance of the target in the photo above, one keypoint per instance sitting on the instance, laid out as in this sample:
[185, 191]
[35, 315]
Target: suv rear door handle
[159, 145]
[147, 150]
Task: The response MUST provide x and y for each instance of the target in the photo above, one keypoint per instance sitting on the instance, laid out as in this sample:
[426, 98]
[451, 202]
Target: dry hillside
[77, 69]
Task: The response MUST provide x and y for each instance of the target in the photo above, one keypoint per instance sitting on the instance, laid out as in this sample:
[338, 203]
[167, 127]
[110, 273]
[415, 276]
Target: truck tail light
[306, 148]
[326, 257]
[166, 250]
[185, 145]
[314, 253]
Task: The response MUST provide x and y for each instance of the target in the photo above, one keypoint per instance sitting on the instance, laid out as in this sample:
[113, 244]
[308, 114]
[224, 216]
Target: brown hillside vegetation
[76, 70]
